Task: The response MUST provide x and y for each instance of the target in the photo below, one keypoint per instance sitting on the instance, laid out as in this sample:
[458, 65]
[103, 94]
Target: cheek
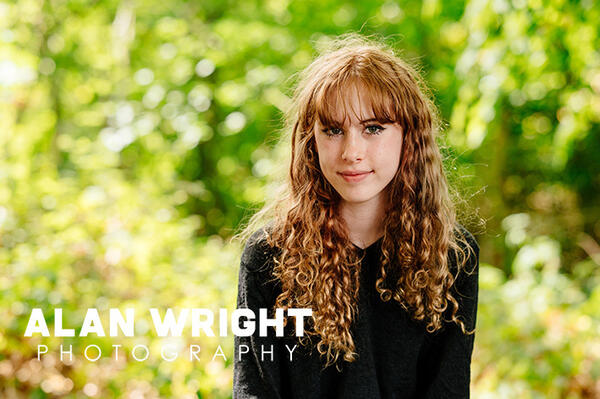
[321, 157]
[326, 154]
[387, 154]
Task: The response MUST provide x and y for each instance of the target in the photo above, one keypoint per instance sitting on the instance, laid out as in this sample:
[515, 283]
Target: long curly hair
[317, 266]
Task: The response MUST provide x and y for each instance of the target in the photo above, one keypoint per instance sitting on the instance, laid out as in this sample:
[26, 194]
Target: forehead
[355, 101]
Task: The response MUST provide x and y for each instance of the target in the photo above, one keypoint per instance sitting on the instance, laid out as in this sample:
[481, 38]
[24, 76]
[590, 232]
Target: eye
[374, 129]
[332, 131]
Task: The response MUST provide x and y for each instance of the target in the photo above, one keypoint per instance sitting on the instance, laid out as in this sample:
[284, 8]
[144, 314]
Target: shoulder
[258, 254]
[256, 286]
[468, 249]
[465, 238]
[463, 261]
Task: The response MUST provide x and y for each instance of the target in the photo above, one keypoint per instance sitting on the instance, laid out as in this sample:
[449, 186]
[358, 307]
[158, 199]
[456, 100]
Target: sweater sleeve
[256, 359]
[446, 369]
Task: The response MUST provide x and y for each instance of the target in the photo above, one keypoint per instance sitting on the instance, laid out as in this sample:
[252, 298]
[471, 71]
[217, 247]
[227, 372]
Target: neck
[364, 222]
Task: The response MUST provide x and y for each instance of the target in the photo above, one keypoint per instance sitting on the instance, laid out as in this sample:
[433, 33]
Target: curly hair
[316, 264]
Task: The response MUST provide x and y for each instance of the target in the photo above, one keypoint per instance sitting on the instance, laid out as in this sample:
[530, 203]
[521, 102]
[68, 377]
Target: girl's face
[359, 156]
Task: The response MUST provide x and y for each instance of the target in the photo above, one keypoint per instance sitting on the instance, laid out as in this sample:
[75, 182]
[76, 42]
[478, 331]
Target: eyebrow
[365, 121]
[338, 124]
[369, 120]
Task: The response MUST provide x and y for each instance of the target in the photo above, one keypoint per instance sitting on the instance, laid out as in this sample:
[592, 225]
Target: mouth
[355, 176]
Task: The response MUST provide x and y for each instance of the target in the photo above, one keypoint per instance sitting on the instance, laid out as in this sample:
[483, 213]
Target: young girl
[366, 237]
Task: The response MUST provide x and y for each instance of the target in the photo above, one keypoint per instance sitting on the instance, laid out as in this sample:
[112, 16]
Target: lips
[354, 172]
[352, 176]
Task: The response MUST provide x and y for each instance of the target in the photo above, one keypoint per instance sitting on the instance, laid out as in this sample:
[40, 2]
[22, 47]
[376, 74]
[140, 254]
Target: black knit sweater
[397, 358]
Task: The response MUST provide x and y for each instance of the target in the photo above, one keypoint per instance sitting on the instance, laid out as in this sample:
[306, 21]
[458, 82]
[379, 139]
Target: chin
[356, 198]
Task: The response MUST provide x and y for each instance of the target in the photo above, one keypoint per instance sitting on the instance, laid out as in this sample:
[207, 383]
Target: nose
[353, 147]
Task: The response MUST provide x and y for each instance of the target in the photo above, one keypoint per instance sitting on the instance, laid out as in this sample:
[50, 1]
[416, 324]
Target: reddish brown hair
[317, 265]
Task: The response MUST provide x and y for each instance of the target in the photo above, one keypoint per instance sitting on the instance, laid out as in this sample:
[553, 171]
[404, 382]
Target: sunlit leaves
[135, 135]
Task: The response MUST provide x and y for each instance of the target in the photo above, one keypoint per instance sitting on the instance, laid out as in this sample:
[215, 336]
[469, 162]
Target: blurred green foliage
[136, 135]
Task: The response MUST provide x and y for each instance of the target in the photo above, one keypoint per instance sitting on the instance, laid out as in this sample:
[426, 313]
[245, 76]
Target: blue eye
[374, 129]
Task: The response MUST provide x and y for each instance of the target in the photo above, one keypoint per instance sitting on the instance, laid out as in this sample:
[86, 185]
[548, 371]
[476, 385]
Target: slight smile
[355, 176]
